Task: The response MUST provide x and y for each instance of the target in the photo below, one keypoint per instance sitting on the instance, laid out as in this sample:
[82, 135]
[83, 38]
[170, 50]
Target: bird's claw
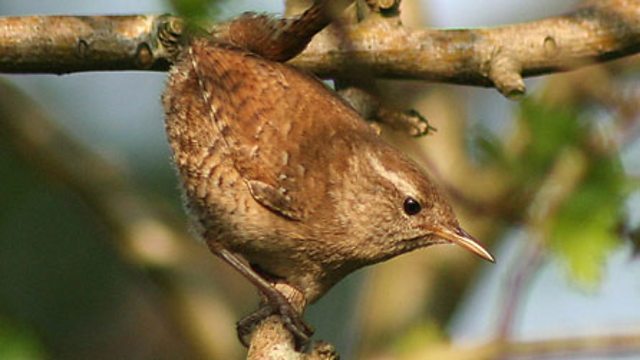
[416, 123]
[291, 319]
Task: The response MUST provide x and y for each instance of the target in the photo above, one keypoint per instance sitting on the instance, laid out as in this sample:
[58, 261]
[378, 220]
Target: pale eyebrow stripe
[401, 184]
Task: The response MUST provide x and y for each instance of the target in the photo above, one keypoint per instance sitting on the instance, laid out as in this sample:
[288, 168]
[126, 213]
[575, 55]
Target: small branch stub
[170, 30]
[504, 71]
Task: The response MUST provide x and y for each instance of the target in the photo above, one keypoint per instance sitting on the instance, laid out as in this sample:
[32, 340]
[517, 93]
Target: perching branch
[599, 31]
[272, 340]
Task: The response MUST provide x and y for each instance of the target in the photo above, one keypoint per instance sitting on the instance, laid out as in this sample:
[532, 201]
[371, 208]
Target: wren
[286, 182]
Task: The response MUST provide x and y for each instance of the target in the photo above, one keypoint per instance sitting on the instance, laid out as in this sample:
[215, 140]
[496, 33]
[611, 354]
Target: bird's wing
[277, 123]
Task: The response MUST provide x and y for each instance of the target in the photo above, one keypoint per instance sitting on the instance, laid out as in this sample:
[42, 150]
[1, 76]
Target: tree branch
[64, 44]
[598, 31]
[272, 340]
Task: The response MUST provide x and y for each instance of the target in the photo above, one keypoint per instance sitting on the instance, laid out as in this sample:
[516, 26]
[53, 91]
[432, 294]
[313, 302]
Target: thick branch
[598, 31]
[64, 44]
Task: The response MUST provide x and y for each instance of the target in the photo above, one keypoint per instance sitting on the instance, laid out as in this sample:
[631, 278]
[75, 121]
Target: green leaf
[584, 230]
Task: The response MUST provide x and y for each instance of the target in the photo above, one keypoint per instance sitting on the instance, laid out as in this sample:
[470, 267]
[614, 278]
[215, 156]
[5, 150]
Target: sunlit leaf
[583, 230]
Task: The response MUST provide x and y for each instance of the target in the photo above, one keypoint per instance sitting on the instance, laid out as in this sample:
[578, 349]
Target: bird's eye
[411, 206]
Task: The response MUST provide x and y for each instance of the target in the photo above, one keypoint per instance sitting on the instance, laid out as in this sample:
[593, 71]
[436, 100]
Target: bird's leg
[290, 317]
[370, 108]
[275, 302]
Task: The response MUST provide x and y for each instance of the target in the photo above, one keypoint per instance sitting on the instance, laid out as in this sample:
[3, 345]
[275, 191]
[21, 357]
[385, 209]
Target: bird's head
[389, 206]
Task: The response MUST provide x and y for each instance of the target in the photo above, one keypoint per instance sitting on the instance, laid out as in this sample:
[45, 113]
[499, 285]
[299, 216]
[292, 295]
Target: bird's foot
[410, 121]
[276, 305]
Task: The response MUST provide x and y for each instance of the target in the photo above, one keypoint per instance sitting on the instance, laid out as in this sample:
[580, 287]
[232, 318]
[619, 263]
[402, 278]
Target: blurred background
[96, 259]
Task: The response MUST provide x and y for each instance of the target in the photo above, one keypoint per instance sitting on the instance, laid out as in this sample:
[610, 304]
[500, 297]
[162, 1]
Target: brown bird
[287, 182]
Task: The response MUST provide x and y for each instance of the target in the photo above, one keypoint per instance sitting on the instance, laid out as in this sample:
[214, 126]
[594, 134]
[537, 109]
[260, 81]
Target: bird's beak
[462, 238]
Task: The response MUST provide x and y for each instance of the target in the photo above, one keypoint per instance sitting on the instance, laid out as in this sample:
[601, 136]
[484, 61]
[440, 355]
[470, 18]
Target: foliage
[585, 227]
[580, 225]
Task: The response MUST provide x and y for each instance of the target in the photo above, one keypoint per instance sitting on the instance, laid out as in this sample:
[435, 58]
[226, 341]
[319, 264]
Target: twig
[526, 267]
[599, 31]
[562, 179]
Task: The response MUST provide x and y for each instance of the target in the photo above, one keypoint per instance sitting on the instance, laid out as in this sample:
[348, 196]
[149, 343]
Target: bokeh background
[96, 260]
